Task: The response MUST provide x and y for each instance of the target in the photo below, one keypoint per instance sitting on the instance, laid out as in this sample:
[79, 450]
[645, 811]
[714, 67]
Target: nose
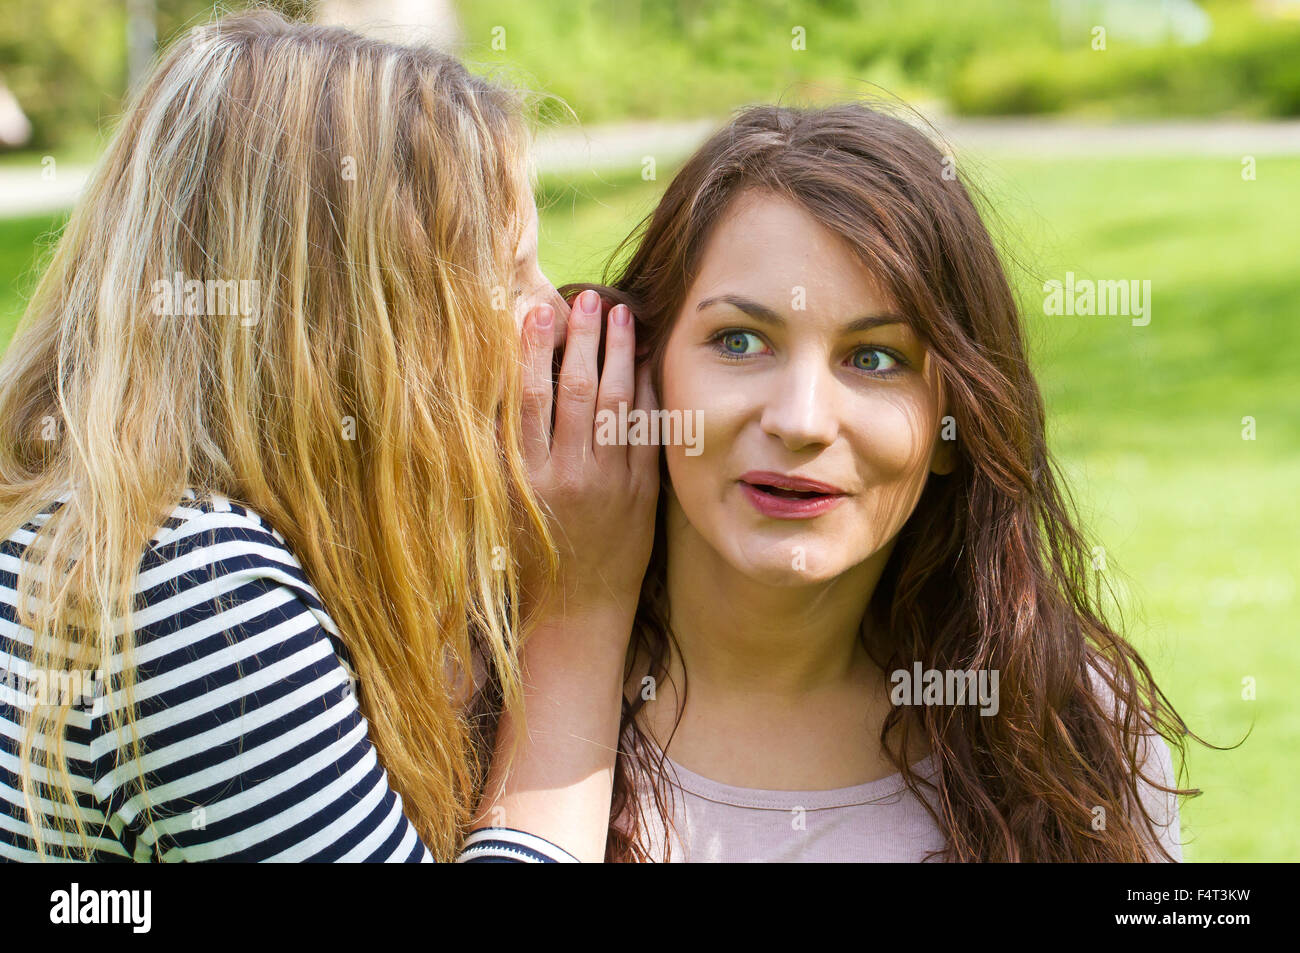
[800, 407]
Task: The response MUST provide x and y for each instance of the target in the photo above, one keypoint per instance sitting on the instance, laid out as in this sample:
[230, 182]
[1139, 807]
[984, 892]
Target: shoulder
[1154, 758]
[207, 556]
[245, 709]
[220, 595]
[246, 739]
[215, 566]
[210, 546]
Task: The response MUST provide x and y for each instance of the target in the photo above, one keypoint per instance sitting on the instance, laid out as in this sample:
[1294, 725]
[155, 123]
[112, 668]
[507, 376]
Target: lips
[783, 497]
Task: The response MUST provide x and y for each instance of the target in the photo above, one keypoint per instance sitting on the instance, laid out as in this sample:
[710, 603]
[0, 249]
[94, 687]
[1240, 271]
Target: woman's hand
[553, 772]
[601, 497]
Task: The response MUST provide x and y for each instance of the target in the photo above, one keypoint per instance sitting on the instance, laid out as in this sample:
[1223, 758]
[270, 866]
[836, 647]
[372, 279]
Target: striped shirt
[252, 745]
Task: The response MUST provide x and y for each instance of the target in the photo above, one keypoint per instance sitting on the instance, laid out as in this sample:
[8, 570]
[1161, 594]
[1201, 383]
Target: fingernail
[545, 314]
[621, 315]
[590, 302]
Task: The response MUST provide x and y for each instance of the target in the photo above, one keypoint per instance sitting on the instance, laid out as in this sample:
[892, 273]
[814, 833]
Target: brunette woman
[871, 579]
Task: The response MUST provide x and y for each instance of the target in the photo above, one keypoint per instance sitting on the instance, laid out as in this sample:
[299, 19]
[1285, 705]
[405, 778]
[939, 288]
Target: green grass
[1199, 525]
[1150, 418]
[24, 247]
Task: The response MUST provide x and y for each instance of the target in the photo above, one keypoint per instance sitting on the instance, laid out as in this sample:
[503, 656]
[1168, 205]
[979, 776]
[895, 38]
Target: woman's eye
[873, 359]
[740, 342]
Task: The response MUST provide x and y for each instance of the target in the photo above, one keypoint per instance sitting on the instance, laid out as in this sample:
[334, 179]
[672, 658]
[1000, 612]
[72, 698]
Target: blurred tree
[66, 61]
[141, 38]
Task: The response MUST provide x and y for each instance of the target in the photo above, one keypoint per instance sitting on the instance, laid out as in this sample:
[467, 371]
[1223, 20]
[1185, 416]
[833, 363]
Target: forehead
[772, 249]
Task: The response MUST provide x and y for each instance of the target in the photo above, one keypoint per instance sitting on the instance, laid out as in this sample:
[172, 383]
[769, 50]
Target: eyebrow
[761, 312]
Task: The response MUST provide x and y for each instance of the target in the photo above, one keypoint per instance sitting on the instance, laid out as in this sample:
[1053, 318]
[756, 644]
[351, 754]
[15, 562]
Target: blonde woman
[276, 511]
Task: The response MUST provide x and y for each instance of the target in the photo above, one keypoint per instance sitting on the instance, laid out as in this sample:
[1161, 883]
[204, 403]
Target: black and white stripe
[497, 845]
[252, 744]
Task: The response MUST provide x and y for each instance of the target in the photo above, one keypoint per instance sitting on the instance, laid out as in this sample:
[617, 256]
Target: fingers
[561, 322]
[536, 351]
[617, 380]
[575, 406]
[644, 458]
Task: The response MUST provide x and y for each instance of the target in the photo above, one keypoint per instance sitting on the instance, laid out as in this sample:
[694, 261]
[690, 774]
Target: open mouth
[778, 496]
[787, 494]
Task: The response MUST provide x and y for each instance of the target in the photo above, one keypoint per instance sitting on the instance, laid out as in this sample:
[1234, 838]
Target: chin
[788, 564]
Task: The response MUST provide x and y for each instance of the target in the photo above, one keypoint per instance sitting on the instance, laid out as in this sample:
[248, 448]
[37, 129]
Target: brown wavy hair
[991, 570]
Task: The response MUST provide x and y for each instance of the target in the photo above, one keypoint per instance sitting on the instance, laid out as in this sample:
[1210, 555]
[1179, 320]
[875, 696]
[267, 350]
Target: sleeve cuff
[505, 845]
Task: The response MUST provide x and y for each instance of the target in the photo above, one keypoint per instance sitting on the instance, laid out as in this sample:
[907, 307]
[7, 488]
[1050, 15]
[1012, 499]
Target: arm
[553, 770]
[552, 774]
[251, 740]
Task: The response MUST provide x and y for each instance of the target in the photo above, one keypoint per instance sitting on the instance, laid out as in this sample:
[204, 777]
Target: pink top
[880, 821]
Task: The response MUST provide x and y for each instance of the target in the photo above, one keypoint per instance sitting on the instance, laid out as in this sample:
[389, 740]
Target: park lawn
[24, 246]
[1198, 525]
[1202, 522]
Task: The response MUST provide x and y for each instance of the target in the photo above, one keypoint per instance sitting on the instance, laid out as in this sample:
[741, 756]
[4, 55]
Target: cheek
[692, 385]
[693, 380]
[894, 439]
[893, 444]
[680, 387]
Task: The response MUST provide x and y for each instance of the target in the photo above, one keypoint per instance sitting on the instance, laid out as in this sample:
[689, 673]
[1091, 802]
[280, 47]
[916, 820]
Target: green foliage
[620, 59]
[1248, 67]
[611, 59]
[65, 60]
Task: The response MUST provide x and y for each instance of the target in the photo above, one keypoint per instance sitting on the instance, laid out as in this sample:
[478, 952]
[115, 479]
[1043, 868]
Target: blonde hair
[366, 195]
